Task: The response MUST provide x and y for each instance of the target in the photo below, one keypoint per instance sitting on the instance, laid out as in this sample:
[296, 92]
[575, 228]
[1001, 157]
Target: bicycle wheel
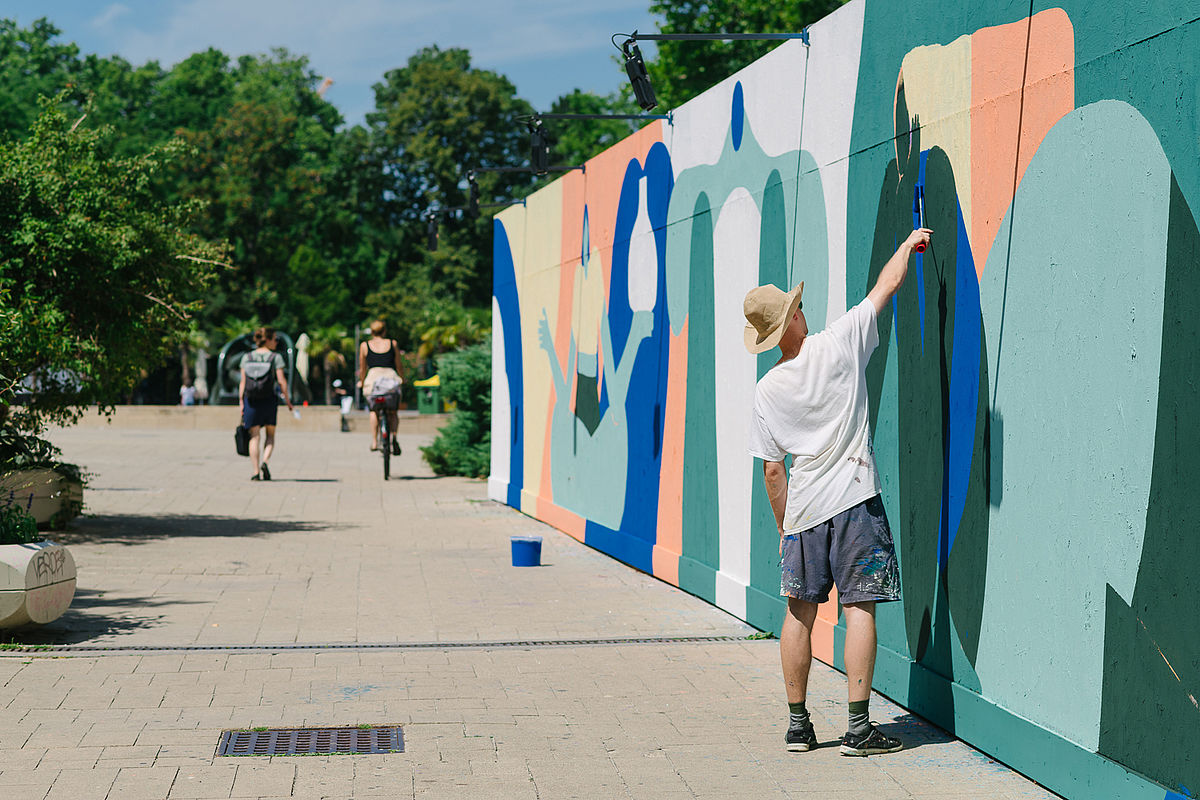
[385, 441]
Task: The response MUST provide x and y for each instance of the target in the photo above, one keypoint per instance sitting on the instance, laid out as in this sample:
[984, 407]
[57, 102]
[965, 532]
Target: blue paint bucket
[526, 551]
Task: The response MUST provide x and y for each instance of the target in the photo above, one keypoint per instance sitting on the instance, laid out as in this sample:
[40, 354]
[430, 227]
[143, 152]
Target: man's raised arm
[893, 273]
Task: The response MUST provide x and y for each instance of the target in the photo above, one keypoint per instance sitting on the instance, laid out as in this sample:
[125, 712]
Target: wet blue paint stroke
[920, 259]
[964, 382]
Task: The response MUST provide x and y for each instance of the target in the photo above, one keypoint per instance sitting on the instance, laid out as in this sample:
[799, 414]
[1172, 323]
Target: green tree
[262, 168]
[682, 70]
[98, 276]
[436, 118]
[463, 445]
[32, 64]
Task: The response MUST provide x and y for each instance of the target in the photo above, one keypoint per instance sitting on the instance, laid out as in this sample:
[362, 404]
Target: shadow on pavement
[915, 731]
[85, 620]
[133, 529]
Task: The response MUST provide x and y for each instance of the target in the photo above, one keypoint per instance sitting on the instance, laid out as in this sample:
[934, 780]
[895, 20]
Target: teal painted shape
[698, 578]
[1055, 762]
[699, 490]
[809, 260]
[765, 610]
[588, 469]
[1073, 311]
[772, 268]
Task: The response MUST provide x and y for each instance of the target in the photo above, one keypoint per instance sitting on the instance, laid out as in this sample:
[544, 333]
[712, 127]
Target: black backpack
[260, 378]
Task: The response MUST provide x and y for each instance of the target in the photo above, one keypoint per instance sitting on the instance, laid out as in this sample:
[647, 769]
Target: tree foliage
[98, 275]
[463, 445]
[682, 69]
[574, 142]
[437, 118]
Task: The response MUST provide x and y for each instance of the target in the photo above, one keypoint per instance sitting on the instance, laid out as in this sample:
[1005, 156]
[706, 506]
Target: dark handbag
[241, 438]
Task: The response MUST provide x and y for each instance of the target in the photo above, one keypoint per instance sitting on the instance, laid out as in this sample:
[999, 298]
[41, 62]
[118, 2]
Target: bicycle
[381, 404]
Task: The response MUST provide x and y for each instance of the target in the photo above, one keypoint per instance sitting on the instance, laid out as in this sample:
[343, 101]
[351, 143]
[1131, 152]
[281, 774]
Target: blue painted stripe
[633, 550]
[504, 289]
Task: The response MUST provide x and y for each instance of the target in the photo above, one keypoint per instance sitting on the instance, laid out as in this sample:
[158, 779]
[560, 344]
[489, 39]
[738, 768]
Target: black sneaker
[801, 738]
[871, 743]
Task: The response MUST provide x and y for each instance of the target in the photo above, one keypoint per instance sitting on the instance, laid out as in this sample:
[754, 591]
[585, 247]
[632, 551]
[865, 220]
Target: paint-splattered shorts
[854, 549]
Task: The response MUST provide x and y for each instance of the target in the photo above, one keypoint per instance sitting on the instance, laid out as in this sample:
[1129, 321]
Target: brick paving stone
[259, 777]
[143, 783]
[203, 782]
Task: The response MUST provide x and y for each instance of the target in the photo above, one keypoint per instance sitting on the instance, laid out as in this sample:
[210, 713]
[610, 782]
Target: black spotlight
[473, 196]
[638, 78]
[539, 147]
[431, 231]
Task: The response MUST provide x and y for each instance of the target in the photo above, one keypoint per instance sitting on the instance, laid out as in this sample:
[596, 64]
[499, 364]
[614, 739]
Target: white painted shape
[829, 118]
[773, 92]
[500, 475]
[735, 264]
[643, 258]
[700, 129]
[731, 594]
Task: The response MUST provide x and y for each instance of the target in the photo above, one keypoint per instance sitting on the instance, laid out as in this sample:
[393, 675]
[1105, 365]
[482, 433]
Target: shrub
[16, 524]
[463, 446]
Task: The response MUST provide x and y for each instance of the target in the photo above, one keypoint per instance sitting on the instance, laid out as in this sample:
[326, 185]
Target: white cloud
[109, 15]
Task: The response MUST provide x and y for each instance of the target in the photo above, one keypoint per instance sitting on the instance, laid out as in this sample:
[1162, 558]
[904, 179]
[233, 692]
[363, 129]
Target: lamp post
[635, 66]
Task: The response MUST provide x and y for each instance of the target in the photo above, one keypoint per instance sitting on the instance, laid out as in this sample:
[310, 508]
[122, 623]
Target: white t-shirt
[815, 408]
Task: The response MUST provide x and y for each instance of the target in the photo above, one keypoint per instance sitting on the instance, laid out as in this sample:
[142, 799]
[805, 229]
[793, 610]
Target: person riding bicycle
[379, 374]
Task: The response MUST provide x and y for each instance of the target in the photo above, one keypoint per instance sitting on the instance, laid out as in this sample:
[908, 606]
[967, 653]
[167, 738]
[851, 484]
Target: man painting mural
[832, 528]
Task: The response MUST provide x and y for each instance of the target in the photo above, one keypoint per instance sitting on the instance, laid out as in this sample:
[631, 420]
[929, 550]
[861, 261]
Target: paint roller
[919, 208]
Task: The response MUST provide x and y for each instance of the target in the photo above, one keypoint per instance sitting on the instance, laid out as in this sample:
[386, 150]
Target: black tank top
[384, 359]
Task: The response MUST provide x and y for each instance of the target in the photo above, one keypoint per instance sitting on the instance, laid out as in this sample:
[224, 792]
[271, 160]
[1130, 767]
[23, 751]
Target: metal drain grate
[311, 741]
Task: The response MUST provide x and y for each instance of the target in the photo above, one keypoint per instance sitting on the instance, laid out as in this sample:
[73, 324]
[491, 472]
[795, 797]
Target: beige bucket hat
[768, 310]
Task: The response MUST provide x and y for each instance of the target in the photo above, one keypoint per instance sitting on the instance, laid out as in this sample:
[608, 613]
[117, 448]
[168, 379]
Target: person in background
[187, 394]
[379, 367]
[258, 394]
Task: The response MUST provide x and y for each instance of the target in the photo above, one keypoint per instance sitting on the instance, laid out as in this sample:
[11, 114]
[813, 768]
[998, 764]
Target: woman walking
[262, 378]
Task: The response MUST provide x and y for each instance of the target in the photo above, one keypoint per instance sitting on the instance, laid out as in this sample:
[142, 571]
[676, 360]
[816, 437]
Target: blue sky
[545, 47]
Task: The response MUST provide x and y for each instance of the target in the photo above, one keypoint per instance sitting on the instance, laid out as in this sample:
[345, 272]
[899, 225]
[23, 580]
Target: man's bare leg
[795, 648]
[860, 649]
[795, 651]
[862, 738]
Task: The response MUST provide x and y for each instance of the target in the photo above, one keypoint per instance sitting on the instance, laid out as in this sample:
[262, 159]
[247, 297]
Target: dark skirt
[256, 413]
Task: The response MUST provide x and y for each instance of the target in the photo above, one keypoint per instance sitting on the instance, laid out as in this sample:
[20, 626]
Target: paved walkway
[182, 553]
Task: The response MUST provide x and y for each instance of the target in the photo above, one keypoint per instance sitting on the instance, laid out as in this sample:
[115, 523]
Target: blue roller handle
[920, 209]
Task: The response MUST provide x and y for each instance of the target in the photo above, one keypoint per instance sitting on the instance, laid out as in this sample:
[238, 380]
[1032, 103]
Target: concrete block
[37, 583]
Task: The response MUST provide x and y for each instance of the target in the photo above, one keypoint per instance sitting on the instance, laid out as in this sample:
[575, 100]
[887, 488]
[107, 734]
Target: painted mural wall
[1034, 396]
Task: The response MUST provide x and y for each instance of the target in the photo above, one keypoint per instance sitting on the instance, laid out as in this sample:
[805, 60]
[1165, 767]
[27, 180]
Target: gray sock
[797, 715]
[860, 717]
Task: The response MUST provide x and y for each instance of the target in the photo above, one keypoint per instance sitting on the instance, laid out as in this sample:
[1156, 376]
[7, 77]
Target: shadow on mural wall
[941, 518]
[1151, 653]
